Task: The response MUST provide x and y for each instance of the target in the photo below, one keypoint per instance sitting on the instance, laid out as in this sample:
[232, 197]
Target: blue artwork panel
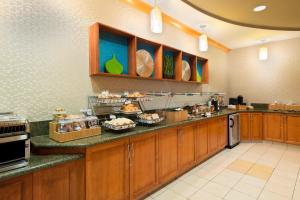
[199, 71]
[110, 44]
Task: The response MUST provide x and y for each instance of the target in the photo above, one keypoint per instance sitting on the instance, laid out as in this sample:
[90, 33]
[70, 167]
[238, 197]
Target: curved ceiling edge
[240, 23]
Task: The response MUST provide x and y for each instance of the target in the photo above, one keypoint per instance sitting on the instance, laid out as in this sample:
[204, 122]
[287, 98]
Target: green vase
[113, 66]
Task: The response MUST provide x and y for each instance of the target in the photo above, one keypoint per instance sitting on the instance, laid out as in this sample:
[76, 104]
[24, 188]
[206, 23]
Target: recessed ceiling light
[259, 8]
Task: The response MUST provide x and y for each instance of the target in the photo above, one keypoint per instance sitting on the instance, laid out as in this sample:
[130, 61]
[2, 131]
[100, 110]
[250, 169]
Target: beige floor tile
[158, 192]
[208, 173]
[203, 195]
[285, 174]
[195, 181]
[246, 188]
[260, 171]
[168, 195]
[184, 189]
[227, 178]
[241, 166]
[284, 181]
[253, 181]
[280, 189]
[148, 198]
[296, 195]
[216, 189]
[235, 195]
[267, 195]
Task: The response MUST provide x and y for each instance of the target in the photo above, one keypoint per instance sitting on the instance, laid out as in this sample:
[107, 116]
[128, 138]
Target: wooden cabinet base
[19, 188]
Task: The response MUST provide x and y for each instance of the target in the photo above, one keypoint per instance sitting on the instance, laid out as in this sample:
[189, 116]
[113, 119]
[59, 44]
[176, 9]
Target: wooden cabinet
[251, 126]
[107, 171]
[19, 188]
[217, 134]
[245, 126]
[293, 129]
[201, 142]
[167, 154]
[143, 165]
[186, 147]
[273, 127]
[256, 126]
[223, 132]
[213, 129]
[62, 182]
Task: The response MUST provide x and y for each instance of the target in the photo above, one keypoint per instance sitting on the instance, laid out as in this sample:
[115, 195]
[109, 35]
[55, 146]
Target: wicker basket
[277, 106]
[241, 107]
[74, 135]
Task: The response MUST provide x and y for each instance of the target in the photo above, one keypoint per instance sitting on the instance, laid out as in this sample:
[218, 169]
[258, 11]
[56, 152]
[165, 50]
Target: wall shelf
[106, 41]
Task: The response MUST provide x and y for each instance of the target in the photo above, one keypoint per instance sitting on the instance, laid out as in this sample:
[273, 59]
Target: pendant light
[156, 19]
[263, 53]
[203, 41]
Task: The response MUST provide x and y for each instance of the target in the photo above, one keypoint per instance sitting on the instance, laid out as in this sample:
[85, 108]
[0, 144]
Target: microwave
[14, 143]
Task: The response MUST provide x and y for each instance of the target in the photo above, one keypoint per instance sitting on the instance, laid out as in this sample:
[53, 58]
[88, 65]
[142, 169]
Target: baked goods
[135, 95]
[119, 124]
[149, 117]
[130, 108]
[107, 95]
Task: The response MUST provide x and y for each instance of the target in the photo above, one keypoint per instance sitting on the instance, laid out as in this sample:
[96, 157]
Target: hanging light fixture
[263, 50]
[203, 41]
[263, 53]
[156, 19]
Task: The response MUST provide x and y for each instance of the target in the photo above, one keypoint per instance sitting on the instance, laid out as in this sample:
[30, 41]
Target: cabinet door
[213, 129]
[63, 182]
[186, 147]
[256, 128]
[167, 154]
[222, 133]
[245, 126]
[107, 171]
[143, 165]
[19, 188]
[201, 142]
[293, 129]
[273, 123]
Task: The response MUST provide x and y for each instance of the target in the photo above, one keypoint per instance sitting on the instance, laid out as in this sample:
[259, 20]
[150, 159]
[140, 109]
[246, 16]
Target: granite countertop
[45, 142]
[39, 162]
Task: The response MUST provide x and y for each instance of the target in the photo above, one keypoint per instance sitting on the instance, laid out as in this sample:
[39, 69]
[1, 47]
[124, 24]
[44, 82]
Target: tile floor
[263, 171]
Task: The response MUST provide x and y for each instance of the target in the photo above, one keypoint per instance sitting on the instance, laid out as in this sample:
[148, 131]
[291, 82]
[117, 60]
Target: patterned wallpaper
[44, 53]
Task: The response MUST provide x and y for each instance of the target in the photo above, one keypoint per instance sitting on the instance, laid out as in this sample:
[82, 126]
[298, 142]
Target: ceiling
[279, 15]
[231, 35]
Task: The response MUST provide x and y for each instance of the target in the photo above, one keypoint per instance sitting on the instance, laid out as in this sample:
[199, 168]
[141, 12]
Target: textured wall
[44, 54]
[276, 79]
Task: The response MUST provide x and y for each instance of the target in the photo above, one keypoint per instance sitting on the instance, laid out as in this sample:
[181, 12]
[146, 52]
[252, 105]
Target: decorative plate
[144, 63]
[186, 71]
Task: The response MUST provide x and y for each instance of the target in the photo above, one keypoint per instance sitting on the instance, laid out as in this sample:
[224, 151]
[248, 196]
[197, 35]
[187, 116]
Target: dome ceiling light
[259, 8]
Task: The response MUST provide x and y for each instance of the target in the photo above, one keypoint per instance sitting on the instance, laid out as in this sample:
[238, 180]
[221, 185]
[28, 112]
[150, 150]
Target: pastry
[119, 122]
[149, 117]
[130, 108]
[135, 95]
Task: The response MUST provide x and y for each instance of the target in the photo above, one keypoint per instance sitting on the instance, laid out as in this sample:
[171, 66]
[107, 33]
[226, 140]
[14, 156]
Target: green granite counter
[44, 141]
[39, 162]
